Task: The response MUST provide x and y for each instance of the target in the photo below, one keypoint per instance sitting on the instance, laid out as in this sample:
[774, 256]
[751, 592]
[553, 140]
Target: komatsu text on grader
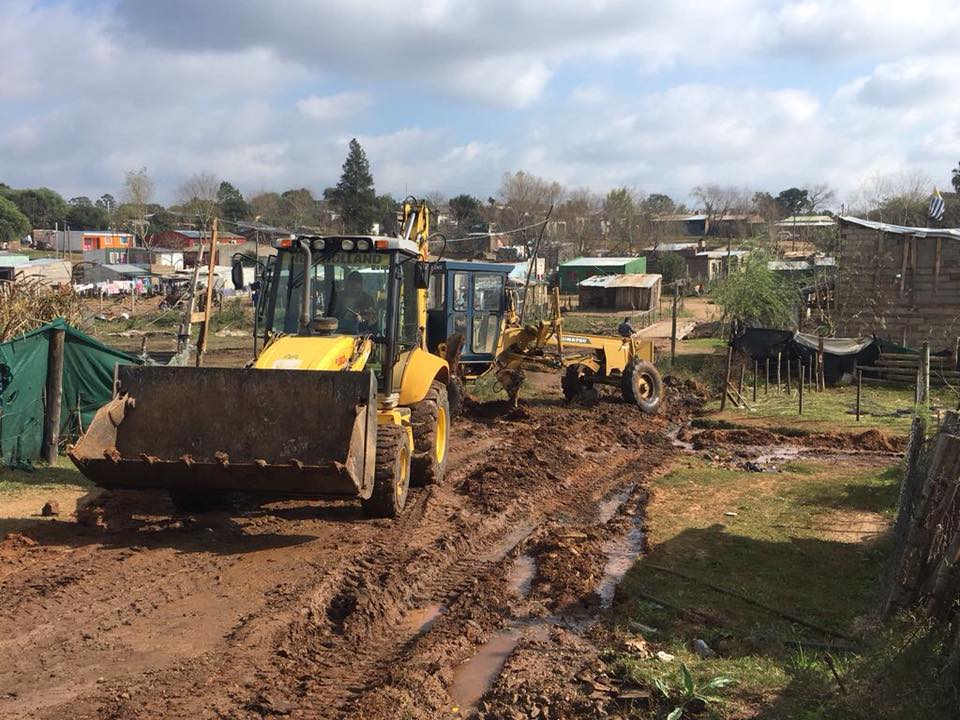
[349, 396]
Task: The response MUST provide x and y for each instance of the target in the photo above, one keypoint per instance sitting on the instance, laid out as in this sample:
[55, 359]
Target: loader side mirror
[421, 275]
[236, 272]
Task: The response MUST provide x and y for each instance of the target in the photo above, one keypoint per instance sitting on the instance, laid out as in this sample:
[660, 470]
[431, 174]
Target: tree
[87, 217]
[43, 207]
[718, 201]
[792, 201]
[658, 204]
[198, 196]
[466, 210]
[81, 200]
[756, 295]
[14, 225]
[620, 211]
[107, 202]
[297, 208]
[895, 198]
[581, 215]
[137, 193]
[955, 178]
[354, 196]
[819, 197]
[670, 265]
[265, 206]
[231, 202]
[387, 209]
[526, 199]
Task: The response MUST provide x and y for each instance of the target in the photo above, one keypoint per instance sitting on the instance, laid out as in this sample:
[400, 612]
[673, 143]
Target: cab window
[487, 292]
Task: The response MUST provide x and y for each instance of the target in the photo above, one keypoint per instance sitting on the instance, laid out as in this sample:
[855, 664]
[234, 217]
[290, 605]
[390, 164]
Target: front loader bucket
[303, 432]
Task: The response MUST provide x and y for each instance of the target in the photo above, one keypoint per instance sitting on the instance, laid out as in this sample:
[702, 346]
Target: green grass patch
[807, 543]
[884, 408]
[41, 477]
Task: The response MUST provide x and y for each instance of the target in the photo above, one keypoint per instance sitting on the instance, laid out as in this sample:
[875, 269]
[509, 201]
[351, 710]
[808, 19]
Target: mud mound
[744, 436]
[570, 566]
[866, 441]
[870, 440]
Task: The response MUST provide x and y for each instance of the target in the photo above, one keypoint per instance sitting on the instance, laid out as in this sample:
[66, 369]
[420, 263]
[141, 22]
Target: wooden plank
[197, 317]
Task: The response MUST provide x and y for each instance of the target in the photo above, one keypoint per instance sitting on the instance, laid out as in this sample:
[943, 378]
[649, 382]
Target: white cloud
[334, 108]
[590, 92]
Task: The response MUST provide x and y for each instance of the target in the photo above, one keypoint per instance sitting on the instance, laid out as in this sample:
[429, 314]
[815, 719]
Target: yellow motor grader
[343, 401]
[472, 323]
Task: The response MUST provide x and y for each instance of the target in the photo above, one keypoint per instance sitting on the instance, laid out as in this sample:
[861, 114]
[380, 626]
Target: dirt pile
[867, 441]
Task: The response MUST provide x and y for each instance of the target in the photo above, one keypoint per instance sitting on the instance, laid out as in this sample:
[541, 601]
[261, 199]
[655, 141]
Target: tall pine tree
[354, 196]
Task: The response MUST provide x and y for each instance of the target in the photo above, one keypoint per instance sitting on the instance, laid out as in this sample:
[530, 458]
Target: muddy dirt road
[308, 610]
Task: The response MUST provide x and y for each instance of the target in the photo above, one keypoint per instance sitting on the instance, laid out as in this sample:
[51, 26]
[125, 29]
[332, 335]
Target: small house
[573, 272]
[635, 291]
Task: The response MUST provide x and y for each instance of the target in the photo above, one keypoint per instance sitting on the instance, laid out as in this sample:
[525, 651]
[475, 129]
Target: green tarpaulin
[87, 384]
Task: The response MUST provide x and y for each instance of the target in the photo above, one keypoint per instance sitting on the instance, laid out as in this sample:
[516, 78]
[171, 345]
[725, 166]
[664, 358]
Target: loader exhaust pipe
[307, 290]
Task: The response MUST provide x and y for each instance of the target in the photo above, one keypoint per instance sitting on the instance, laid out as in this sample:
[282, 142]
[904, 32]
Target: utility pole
[673, 323]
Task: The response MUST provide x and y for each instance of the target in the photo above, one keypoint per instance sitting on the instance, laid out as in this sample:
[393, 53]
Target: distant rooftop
[640, 280]
[903, 229]
[808, 221]
[599, 261]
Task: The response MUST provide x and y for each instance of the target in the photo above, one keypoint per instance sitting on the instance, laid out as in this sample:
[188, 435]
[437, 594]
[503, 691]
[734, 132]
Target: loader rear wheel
[391, 478]
[430, 419]
[642, 385]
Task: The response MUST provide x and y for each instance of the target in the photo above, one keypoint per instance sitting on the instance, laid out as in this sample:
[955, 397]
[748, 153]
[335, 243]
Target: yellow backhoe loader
[343, 401]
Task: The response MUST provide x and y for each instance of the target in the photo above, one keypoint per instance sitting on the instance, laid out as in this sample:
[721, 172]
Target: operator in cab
[354, 307]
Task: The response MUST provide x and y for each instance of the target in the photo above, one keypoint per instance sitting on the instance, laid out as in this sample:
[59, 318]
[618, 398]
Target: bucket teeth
[222, 458]
[187, 460]
[149, 459]
[112, 455]
[298, 464]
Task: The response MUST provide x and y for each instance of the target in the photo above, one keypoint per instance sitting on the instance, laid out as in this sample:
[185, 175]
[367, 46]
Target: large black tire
[430, 419]
[455, 392]
[576, 384]
[391, 480]
[642, 386]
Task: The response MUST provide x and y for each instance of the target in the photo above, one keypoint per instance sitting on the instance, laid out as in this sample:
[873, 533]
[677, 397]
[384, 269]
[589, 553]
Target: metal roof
[599, 261]
[638, 280]
[672, 247]
[477, 266]
[903, 229]
[789, 265]
[808, 221]
[715, 254]
[127, 269]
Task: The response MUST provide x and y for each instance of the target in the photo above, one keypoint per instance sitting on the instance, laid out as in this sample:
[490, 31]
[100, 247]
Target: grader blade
[298, 432]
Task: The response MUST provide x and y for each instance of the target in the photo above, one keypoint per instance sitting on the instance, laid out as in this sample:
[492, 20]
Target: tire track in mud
[325, 624]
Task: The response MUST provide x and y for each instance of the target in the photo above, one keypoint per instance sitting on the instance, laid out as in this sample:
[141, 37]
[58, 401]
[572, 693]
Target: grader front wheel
[391, 480]
[642, 385]
[430, 419]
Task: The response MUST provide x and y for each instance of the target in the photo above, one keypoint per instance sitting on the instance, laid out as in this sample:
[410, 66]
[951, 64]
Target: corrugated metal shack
[638, 291]
[899, 282]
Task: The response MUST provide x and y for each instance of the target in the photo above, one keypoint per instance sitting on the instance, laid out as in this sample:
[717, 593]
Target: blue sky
[447, 95]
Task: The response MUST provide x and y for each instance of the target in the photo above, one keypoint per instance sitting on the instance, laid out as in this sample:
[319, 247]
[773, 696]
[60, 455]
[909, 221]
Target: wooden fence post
[859, 391]
[779, 364]
[800, 386]
[726, 379]
[756, 372]
[54, 391]
[789, 373]
[766, 377]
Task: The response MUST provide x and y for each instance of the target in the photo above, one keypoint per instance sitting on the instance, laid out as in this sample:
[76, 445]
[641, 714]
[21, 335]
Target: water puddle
[510, 540]
[477, 675]
[521, 574]
[782, 454]
[672, 436]
[621, 554]
[608, 507]
[419, 620]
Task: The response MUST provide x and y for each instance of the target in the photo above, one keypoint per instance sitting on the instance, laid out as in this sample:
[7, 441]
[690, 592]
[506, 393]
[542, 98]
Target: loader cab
[368, 284]
[467, 298]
